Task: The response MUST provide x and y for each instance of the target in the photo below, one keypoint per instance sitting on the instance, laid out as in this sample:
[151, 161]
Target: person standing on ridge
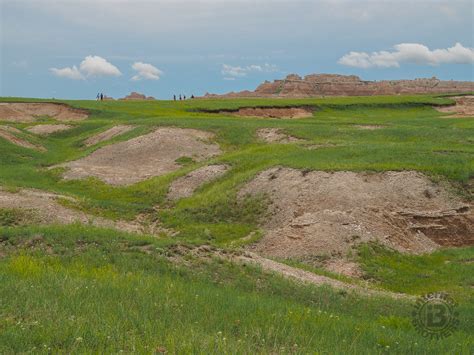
[101, 96]
[97, 97]
[174, 97]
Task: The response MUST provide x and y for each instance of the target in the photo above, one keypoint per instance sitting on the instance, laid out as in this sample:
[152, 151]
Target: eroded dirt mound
[143, 157]
[324, 215]
[28, 112]
[186, 185]
[45, 129]
[10, 134]
[47, 210]
[108, 134]
[274, 112]
[276, 135]
[464, 107]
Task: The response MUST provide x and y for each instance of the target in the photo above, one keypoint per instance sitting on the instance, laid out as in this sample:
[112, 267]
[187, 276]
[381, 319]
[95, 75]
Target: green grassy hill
[76, 288]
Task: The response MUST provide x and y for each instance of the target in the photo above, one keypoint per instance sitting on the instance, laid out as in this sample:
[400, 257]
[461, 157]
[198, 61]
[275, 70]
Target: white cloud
[93, 65]
[69, 73]
[238, 71]
[146, 71]
[409, 53]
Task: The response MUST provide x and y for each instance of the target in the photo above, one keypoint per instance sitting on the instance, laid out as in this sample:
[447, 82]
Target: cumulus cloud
[68, 72]
[409, 53]
[91, 66]
[230, 71]
[146, 71]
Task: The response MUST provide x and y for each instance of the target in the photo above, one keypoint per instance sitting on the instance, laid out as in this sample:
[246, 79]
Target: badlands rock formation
[349, 85]
[137, 96]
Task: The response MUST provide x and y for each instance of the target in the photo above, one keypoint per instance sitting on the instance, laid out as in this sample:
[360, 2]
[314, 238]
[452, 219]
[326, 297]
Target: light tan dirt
[8, 133]
[320, 214]
[274, 112]
[186, 185]
[108, 134]
[276, 135]
[45, 129]
[143, 157]
[49, 211]
[28, 112]
[368, 127]
[464, 107]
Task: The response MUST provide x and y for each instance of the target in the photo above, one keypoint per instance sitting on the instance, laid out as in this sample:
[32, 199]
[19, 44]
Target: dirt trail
[179, 253]
[318, 215]
[186, 185]
[108, 134]
[9, 133]
[46, 129]
[143, 157]
[28, 112]
[272, 112]
[464, 107]
[276, 135]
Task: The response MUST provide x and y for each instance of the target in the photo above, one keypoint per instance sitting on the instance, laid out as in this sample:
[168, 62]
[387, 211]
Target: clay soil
[29, 112]
[108, 134]
[323, 216]
[273, 112]
[275, 135]
[464, 107]
[46, 129]
[47, 210]
[143, 157]
[9, 133]
[186, 185]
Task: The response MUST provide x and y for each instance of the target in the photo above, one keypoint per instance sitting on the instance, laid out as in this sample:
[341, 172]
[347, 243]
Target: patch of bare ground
[45, 129]
[273, 112]
[143, 157]
[9, 133]
[186, 185]
[464, 107]
[28, 112]
[328, 214]
[368, 127]
[181, 254]
[108, 134]
[276, 135]
[48, 210]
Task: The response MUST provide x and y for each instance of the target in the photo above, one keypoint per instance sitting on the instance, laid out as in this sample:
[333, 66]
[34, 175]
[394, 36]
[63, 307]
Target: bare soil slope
[47, 210]
[28, 112]
[320, 214]
[186, 185]
[276, 135]
[464, 107]
[9, 133]
[143, 157]
[108, 134]
[273, 112]
[45, 129]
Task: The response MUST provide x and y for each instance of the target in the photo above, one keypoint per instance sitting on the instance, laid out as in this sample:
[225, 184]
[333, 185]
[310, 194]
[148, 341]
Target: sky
[76, 48]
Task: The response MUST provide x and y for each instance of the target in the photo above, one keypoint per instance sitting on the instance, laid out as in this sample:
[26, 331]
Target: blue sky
[76, 48]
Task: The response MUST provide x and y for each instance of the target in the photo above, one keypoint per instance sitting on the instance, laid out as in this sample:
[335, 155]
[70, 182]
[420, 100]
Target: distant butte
[137, 96]
[349, 85]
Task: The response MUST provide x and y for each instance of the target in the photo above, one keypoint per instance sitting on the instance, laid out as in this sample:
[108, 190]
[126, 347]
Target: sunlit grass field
[83, 289]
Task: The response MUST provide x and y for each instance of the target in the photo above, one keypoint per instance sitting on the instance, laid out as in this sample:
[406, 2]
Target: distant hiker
[101, 96]
[97, 97]
[192, 96]
[174, 97]
[184, 97]
[180, 98]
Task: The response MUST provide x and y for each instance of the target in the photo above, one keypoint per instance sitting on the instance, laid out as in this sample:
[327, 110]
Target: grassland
[83, 289]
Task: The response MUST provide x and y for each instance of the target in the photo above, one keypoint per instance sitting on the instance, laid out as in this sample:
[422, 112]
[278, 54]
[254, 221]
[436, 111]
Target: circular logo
[435, 315]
